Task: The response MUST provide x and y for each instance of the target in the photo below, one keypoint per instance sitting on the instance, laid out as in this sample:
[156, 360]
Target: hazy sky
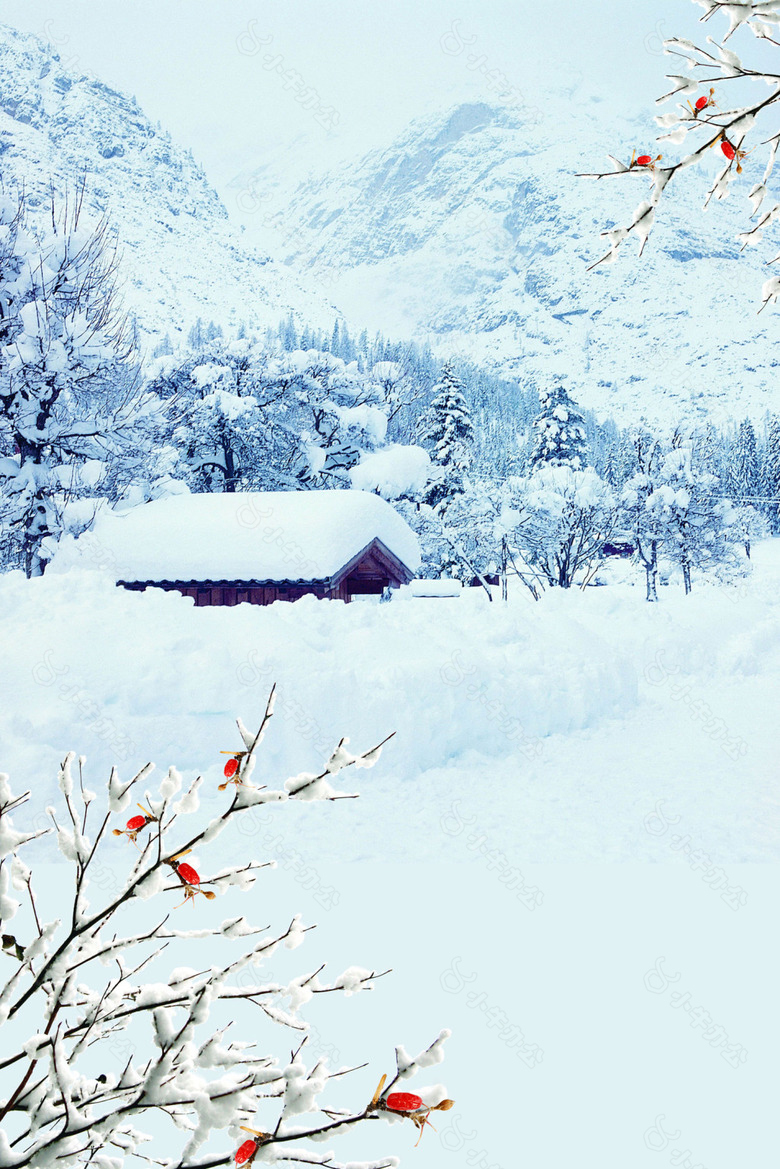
[202, 69]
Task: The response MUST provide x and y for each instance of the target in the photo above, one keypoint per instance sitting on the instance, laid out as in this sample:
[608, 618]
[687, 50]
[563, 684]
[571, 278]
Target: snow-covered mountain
[180, 256]
[471, 231]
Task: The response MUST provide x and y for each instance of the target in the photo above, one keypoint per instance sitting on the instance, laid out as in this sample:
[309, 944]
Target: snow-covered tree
[708, 119]
[569, 515]
[63, 340]
[744, 473]
[245, 418]
[448, 432]
[696, 529]
[771, 473]
[559, 432]
[484, 528]
[638, 514]
[748, 524]
[707, 453]
[74, 1090]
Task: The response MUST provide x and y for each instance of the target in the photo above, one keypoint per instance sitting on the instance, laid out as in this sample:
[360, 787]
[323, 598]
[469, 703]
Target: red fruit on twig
[188, 874]
[733, 152]
[644, 160]
[409, 1104]
[246, 1152]
[403, 1102]
[135, 824]
[702, 103]
[232, 768]
[188, 877]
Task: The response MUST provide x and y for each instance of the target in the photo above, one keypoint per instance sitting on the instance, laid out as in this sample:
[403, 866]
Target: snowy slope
[471, 230]
[181, 257]
[551, 731]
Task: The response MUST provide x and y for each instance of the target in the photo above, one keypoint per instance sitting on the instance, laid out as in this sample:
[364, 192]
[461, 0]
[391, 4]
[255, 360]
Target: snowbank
[554, 728]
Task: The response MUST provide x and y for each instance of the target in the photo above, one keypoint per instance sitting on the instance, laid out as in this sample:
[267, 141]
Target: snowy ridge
[471, 231]
[180, 256]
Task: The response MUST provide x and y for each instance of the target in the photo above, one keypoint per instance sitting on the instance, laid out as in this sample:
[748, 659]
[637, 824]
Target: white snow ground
[544, 732]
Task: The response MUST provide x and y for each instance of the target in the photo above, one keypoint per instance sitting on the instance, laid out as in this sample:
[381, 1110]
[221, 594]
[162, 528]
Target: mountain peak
[180, 256]
[472, 231]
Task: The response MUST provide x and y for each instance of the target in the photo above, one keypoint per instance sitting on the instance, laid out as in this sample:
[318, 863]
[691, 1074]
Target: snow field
[552, 728]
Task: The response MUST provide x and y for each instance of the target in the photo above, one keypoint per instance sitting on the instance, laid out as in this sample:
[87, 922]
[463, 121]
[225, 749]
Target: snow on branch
[705, 124]
[81, 981]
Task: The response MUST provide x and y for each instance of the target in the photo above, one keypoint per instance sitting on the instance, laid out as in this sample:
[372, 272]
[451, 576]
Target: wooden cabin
[260, 547]
[370, 572]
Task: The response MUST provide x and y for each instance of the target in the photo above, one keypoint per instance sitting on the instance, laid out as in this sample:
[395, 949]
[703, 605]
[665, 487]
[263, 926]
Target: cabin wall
[206, 595]
[209, 595]
[369, 576]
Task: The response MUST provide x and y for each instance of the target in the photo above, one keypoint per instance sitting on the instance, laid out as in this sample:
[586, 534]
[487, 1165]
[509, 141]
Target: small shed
[258, 547]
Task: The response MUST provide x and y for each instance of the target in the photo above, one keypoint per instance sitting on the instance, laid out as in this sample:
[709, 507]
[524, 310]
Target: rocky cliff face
[180, 256]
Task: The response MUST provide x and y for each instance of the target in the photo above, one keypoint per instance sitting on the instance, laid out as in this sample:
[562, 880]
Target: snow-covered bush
[75, 984]
[394, 472]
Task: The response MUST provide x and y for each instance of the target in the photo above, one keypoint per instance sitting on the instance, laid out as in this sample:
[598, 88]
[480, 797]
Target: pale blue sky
[378, 63]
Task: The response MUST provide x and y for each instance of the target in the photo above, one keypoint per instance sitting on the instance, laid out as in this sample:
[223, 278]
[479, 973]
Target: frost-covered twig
[729, 130]
[59, 1111]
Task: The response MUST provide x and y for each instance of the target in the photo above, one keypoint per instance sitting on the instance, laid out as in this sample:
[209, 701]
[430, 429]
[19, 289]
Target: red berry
[644, 160]
[403, 1102]
[702, 103]
[188, 874]
[136, 822]
[245, 1151]
[727, 148]
[231, 767]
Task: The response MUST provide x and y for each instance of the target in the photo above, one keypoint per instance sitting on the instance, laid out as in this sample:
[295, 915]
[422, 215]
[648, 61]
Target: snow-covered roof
[263, 535]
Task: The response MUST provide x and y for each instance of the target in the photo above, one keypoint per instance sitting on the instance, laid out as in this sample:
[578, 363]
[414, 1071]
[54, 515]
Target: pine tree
[744, 477]
[449, 432]
[771, 480]
[289, 335]
[559, 432]
[708, 453]
[347, 350]
[196, 338]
